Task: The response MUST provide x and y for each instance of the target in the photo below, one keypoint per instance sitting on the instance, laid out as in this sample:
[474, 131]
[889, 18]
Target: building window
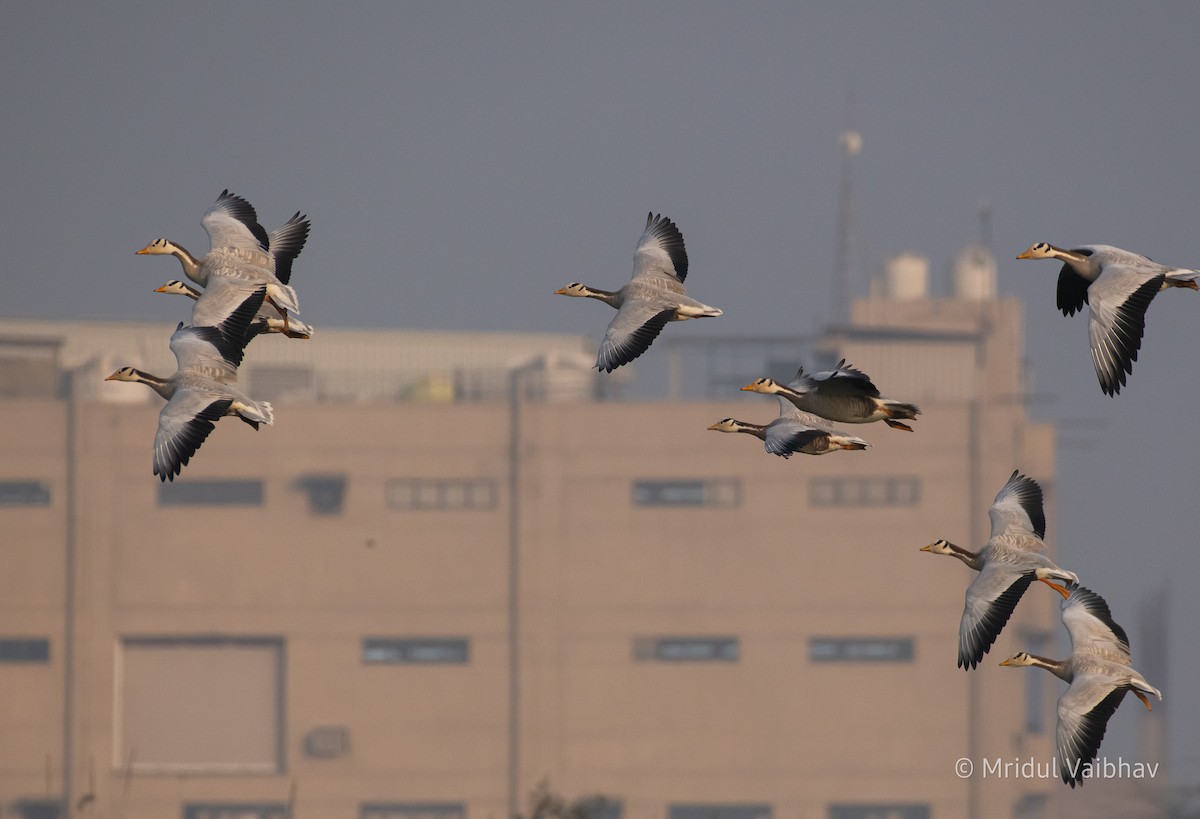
[597, 807]
[24, 493]
[861, 650]
[234, 810]
[1031, 806]
[879, 811]
[201, 705]
[24, 650]
[326, 493]
[39, 808]
[416, 650]
[446, 493]
[412, 810]
[717, 810]
[327, 742]
[686, 649]
[716, 492]
[211, 493]
[875, 490]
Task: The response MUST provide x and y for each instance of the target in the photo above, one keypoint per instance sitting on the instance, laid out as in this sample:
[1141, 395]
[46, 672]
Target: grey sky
[461, 161]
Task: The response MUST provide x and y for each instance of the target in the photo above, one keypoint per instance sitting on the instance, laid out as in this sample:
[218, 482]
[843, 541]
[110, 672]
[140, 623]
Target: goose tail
[254, 412]
[847, 442]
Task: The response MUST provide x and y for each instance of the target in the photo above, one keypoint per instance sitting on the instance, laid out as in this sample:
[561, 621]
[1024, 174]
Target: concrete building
[320, 619]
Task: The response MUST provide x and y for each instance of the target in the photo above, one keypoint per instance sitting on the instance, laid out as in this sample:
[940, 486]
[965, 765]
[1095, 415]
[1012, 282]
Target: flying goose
[211, 304]
[1010, 560]
[653, 296]
[200, 391]
[1099, 673]
[1117, 285]
[788, 436]
[242, 249]
[793, 432]
[843, 394]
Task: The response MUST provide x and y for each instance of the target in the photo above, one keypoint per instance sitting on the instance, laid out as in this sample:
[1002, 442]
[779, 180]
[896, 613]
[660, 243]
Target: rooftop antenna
[850, 145]
[985, 225]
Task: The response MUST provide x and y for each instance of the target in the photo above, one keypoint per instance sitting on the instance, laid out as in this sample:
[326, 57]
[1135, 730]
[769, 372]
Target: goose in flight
[652, 297]
[793, 432]
[211, 306]
[1010, 560]
[843, 394]
[242, 250]
[201, 390]
[1099, 673]
[1117, 285]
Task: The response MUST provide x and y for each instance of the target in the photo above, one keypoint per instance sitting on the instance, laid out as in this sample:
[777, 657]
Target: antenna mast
[850, 144]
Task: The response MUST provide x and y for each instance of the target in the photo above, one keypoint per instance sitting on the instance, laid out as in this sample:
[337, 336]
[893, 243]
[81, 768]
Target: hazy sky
[462, 160]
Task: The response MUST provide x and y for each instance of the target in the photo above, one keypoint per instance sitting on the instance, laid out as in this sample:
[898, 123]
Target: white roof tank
[906, 276]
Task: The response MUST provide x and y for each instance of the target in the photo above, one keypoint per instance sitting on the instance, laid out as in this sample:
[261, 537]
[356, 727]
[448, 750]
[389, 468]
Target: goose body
[243, 251]
[843, 394]
[1099, 672]
[201, 390]
[1117, 285]
[654, 296]
[1010, 560]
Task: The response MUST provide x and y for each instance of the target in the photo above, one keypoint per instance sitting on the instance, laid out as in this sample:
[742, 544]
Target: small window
[234, 810]
[24, 493]
[455, 494]
[326, 493]
[879, 810]
[875, 490]
[598, 807]
[24, 650]
[39, 808]
[211, 493]
[412, 810]
[416, 650]
[861, 650]
[718, 810]
[1031, 806]
[715, 492]
[686, 649]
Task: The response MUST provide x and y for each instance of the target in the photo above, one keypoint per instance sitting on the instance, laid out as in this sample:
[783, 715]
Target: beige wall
[596, 573]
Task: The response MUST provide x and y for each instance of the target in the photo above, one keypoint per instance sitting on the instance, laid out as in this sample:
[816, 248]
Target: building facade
[402, 609]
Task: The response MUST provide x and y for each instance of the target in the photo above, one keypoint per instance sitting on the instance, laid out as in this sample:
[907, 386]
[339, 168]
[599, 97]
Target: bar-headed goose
[242, 249]
[793, 432]
[1010, 560]
[211, 304]
[199, 392]
[843, 394]
[1099, 673]
[653, 297]
[1117, 285]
